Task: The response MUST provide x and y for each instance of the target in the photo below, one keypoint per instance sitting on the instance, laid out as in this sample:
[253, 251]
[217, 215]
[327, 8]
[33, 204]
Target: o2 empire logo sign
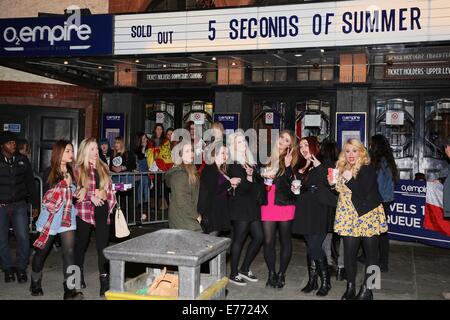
[72, 27]
[52, 35]
[56, 36]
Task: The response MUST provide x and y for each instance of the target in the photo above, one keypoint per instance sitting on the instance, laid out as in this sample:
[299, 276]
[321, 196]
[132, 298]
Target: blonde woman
[184, 182]
[278, 206]
[360, 216]
[96, 201]
[245, 211]
[122, 161]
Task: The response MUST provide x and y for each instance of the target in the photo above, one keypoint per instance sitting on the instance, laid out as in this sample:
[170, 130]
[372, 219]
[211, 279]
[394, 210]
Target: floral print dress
[348, 223]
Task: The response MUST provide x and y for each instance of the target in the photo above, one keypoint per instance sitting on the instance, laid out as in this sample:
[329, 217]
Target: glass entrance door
[436, 129]
[312, 118]
[401, 133]
[415, 127]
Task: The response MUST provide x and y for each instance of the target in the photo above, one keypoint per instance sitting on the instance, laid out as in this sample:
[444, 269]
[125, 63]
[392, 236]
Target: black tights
[84, 230]
[68, 247]
[241, 229]
[284, 229]
[314, 245]
[351, 246]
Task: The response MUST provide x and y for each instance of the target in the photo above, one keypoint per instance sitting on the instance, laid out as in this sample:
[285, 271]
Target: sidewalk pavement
[415, 272]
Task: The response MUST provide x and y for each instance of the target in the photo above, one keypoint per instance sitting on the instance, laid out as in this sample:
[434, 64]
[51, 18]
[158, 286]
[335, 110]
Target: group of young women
[78, 199]
[292, 193]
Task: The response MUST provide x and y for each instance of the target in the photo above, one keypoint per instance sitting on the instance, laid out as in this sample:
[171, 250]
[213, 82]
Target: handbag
[121, 226]
[165, 284]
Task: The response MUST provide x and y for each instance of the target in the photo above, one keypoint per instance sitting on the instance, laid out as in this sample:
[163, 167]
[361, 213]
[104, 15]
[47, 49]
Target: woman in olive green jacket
[184, 183]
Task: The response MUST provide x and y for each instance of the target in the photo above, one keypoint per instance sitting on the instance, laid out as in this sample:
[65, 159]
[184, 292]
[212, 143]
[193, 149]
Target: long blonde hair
[231, 144]
[277, 159]
[124, 150]
[190, 168]
[363, 158]
[82, 166]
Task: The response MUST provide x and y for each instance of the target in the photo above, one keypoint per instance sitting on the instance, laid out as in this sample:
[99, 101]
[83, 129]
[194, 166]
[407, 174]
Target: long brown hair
[82, 165]
[217, 146]
[55, 163]
[190, 168]
[277, 159]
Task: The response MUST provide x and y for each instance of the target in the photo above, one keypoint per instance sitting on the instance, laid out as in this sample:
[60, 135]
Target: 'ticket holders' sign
[343, 23]
[59, 36]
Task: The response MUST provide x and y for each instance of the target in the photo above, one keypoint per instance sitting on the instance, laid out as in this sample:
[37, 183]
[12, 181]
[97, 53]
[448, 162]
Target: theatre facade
[334, 69]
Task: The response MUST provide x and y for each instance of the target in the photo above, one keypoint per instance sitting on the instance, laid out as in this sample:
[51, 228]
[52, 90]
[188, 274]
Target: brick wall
[55, 96]
[120, 6]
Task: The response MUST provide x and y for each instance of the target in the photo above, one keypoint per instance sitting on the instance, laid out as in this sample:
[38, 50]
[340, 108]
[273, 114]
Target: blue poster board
[230, 121]
[405, 221]
[351, 125]
[64, 36]
[113, 125]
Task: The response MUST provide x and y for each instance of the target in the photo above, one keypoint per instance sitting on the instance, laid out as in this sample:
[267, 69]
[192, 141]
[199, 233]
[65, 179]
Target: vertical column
[189, 282]
[117, 275]
[217, 266]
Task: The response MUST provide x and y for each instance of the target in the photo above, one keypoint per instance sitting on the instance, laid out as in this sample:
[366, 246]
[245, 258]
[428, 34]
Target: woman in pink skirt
[278, 209]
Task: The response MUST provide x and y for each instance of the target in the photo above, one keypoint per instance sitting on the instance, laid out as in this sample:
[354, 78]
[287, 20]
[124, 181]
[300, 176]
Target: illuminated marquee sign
[323, 24]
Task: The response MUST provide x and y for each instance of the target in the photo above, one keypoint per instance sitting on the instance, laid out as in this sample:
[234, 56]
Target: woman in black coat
[278, 209]
[312, 214]
[245, 211]
[213, 196]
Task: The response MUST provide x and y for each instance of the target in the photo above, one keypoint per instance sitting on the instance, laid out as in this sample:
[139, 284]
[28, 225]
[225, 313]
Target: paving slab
[415, 272]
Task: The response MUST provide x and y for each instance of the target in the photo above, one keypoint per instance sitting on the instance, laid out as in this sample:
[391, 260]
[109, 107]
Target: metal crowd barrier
[146, 200]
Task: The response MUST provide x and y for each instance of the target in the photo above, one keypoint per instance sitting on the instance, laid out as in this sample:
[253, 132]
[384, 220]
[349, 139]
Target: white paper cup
[297, 184]
[333, 174]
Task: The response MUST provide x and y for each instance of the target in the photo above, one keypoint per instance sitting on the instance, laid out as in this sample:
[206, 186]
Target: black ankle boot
[364, 293]
[340, 274]
[104, 284]
[281, 280]
[71, 294]
[350, 292]
[272, 280]
[324, 274]
[312, 273]
[36, 288]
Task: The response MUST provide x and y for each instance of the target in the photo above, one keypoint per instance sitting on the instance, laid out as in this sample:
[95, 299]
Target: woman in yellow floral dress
[360, 215]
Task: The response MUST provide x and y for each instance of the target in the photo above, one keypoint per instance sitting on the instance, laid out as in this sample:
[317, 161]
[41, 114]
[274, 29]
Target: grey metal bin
[169, 247]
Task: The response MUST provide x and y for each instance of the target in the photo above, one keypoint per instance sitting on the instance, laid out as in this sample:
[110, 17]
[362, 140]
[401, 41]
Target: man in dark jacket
[16, 186]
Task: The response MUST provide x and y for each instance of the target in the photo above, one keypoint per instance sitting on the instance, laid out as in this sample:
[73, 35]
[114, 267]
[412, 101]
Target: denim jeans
[143, 189]
[16, 212]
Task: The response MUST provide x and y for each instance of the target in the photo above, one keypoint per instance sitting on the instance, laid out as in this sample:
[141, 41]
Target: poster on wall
[230, 121]
[351, 125]
[12, 127]
[411, 212]
[113, 125]
[198, 117]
